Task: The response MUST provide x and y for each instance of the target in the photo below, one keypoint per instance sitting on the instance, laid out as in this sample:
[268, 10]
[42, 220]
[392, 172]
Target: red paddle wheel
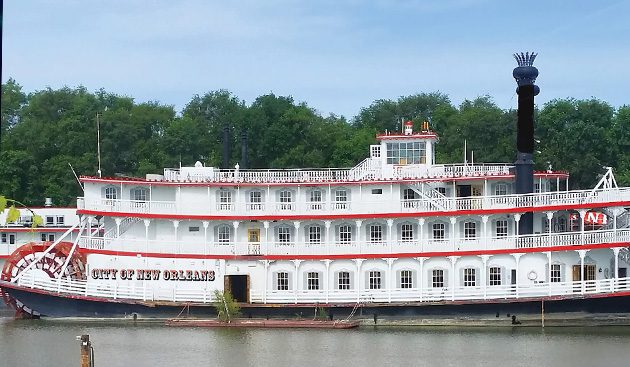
[51, 264]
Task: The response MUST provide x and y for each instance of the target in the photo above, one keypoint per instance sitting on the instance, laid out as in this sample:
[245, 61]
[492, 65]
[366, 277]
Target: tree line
[44, 131]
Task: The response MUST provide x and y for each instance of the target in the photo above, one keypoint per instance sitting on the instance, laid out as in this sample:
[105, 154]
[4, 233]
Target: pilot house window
[406, 153]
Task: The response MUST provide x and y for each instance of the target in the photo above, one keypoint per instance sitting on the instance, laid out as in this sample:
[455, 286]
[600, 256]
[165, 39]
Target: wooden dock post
[542, 312]
[86, 351]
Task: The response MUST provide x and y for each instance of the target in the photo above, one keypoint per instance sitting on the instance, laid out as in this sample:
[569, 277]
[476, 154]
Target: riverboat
[398, 234]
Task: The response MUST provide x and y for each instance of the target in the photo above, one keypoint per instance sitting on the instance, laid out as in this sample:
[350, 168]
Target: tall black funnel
[525, 74]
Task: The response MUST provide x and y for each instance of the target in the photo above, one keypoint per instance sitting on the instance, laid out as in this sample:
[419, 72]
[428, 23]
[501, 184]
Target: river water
[52, 343]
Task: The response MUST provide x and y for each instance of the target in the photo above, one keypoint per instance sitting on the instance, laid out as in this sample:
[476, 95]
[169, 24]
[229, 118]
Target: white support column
[118, 220]
[295, 278]
[582, 254]
[517, 258]
[298, 239]
[205, 236]
[329, 241]
[235, 241]
[390, 226]
[549, 221]
[89, 219]
[484, 275]
[266, 243]
[616, 270]
[421, 222]
[486, 236]
[453, 240]
[391, 279]
[267, 280]
[147, 222]
[175, 226]
[358, 277]
[359, 222]
[421, 276]
[327, 278]
[452, 285]
[517, 219]
[549, 271]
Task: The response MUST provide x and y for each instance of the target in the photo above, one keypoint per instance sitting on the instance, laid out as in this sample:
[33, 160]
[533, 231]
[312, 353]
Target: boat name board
[153, 274]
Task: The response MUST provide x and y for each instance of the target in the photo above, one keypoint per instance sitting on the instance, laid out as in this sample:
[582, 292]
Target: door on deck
[238, 285]
[589, 276]
[513, 279]
[464, 191]
[623, 272]
[253, 241]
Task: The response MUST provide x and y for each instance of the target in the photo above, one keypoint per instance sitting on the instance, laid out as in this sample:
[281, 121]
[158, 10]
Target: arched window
[345, 233]
[224, 234]
[111, 193]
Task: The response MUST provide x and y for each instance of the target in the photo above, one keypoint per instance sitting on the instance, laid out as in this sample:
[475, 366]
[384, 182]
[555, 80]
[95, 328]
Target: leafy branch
[14, 213]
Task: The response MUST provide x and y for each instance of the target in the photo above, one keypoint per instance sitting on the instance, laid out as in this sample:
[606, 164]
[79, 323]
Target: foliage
[47, 129]
[226, 306]
[14, 214]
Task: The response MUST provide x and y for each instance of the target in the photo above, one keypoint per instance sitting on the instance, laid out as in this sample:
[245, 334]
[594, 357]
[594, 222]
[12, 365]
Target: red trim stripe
[358, 256]
[38, 229]
[356, 216]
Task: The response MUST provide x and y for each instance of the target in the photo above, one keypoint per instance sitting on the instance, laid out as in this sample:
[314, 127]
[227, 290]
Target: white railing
[205, 207]
[170, 246]
[204, 294]
[369, 168]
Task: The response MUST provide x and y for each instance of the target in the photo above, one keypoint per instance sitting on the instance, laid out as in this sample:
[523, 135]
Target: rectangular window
[48, 237]
[409, 194]
[406, 153]
[255, 200]
[500, 189]
[314, 234]
[315, 202]
[437, 278]
[341, 199]
[60, 220]
[345, 234]
[224, 234]
[312, 281]
[375, 279]
[376, 233]
[139, 194]
[470, 230]
[50, 220]
[377, 191]
[282, 281]
[439, 231]
[406, 232]
[284, 235]
[111, 193]
[375, 151]
[441, 190]
[502, 228]
[555, 273]
[406, 280]
[225, 200]
[44, 237]
[495, 275]
[193, 229]
[343, 280]
[286, 200]
[470, 278]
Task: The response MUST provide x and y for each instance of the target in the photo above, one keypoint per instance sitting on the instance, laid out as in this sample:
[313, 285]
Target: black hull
[53, 305]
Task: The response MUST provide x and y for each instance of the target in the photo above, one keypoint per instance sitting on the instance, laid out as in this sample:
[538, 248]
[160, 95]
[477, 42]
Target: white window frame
[470, 277]
[314, 234]
[284, 234]
[500, 189]
[286, 200]
[282, 281]
[438, 228]
[438, 278]
[315, 200]
[225, 200]
[501, 228]
[345, 233]
[61, 220]
[140, 194]
[111, 193]
[556, 273]
[470, 230]
[375, 279]
[343, 280]
[341, 199]
[494, 275]
[224, 234]
[312, 281]
[406, 279]
[406, 232]
[376, 233]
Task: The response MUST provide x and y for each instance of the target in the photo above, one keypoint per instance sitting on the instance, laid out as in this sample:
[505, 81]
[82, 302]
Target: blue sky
[337, 56]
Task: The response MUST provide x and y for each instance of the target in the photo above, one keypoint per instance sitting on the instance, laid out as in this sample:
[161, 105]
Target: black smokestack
[244, 162]
[226, 147]
[525, 74]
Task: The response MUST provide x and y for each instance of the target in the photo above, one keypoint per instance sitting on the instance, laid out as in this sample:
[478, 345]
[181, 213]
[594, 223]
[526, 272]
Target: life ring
[532, 275]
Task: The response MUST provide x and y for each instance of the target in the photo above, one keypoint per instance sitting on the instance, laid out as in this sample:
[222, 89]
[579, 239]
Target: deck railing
[204, 206]
[147, 291]
[199, 247]
[368, 169]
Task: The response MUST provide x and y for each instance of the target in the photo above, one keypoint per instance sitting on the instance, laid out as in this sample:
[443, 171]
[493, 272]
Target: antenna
[98, 143]
[77, 177]
[465, 155]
